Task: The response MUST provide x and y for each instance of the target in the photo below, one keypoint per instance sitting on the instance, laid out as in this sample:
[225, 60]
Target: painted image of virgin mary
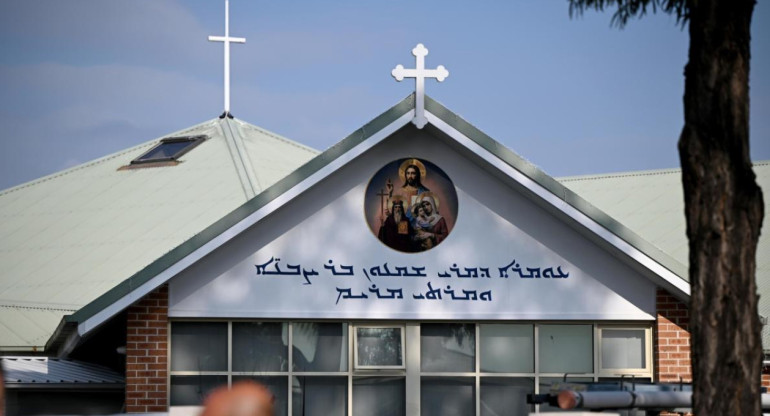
[430, 227]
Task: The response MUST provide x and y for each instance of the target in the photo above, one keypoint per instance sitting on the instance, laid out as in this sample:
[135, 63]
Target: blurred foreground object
[245, 398]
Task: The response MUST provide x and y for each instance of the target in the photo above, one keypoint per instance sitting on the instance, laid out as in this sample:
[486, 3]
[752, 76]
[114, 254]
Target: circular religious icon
[410, 205]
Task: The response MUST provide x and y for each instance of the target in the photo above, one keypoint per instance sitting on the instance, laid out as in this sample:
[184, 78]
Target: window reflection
[379, 347]
[507, 348]
[277, 386]
[260, 346]
[566, 349]
[506, 396]
[319, 396]
[623, 348]
[379, 396]
[192, 390]
[199, 346]
[447, 396]
[320, 346]
[448, 347]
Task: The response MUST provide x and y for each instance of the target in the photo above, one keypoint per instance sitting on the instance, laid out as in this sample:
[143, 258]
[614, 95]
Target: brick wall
[671, 344]
[147, 353]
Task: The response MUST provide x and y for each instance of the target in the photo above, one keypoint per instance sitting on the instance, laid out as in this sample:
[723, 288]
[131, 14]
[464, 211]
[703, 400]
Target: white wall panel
[495, 225]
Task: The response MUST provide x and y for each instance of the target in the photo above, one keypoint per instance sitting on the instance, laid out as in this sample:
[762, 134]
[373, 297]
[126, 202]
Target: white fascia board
[136, 294]
[667, 275]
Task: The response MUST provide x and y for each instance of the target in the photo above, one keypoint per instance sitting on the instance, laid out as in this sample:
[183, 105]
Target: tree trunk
[724, 210]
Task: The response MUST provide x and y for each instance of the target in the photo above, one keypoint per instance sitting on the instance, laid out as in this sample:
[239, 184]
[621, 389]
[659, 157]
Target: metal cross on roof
[419, 74]
[226, 39]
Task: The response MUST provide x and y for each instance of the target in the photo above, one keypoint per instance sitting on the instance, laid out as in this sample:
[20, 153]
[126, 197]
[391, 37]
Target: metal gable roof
[652, 204]
[53, 372]
[158, 272]
[67, 238]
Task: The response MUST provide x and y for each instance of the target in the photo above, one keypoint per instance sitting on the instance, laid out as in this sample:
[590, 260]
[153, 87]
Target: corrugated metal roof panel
[25, 327]
[45, 370]
[271, 155]
[67, 238]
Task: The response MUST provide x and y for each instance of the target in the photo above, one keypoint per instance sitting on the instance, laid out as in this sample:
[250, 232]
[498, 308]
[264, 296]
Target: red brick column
[671, 344]
[147, 353]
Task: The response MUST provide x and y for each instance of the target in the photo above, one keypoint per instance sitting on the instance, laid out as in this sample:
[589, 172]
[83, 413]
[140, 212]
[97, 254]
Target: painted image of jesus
[405, 211]
[411, 173]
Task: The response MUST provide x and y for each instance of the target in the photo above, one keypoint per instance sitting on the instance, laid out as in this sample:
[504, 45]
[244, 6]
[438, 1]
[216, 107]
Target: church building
[417, 267]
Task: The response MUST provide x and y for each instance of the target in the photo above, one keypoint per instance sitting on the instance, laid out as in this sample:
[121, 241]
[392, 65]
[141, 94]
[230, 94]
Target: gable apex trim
[670, 272]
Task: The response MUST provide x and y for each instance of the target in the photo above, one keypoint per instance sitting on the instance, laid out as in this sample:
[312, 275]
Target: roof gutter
[23, 348]
[65, 386]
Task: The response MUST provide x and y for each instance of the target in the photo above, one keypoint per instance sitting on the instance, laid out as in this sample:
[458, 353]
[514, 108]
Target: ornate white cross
[419, 74]
[227, 40]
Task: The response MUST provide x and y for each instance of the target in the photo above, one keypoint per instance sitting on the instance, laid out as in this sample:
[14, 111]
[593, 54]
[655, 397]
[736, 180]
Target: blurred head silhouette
[244, 398]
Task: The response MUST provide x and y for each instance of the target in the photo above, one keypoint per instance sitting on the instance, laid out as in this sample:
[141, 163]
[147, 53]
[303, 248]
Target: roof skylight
[169, 149]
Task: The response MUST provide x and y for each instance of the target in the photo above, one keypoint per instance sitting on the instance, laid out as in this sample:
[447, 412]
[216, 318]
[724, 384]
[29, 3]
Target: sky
[80, 79]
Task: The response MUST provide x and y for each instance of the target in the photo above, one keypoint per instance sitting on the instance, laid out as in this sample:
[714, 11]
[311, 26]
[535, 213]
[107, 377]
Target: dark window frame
[194, 142]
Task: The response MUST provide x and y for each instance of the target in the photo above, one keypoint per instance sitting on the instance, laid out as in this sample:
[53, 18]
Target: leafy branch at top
[625, 9]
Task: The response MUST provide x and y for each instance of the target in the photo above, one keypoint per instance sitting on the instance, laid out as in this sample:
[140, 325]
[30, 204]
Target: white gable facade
[495, 229]
[350, 287]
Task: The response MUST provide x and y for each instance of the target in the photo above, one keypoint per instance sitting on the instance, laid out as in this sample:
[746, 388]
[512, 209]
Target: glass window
[507, 348]
[623, 348]
[277, 385]
[199, 346]
[448, 347]
[260, 346]
[506, 396]
[169, 149]
[319, 396]
[320, 381]
[379, 347]
[192, 390]
[566, 348]
[379, 396]
[320, 346]
[447, 396]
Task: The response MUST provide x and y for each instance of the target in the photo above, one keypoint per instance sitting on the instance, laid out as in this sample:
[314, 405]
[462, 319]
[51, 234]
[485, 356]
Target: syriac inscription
[467, 276]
